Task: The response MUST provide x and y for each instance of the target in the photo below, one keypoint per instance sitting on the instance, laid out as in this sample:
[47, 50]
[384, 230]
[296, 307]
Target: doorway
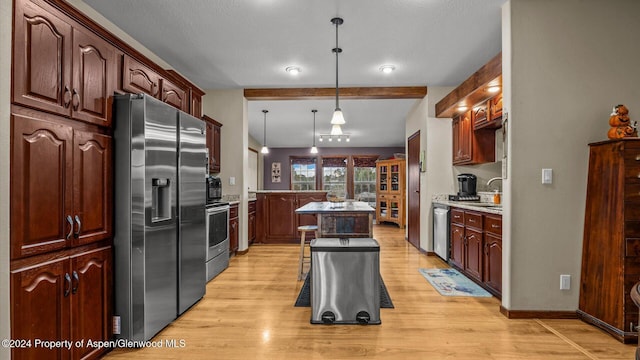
[413, 189]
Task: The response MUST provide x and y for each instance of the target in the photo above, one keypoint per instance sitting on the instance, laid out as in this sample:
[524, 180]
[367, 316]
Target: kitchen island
[346, 219]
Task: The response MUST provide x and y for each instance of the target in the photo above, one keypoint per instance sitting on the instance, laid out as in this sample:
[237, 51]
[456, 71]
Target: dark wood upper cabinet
[139, 78]
[60, 68]
[469, 146]
[75, 206]
[213, 143]
[196, 103]
[41, 59]
[174, 95]
[94, 78]
[495, 108]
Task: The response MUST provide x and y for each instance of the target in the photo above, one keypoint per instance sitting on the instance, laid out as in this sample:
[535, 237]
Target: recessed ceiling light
[293, 70]
[387, 69]
[462, 107]
[494, 89]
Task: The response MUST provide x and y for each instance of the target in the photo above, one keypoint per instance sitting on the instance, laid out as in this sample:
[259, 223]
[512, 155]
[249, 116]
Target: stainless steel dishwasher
[441, 230]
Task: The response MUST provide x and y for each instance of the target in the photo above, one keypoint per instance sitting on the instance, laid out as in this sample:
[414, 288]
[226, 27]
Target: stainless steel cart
[345, 281]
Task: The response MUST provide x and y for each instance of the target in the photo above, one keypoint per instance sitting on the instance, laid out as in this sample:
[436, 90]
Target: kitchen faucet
[493, 179]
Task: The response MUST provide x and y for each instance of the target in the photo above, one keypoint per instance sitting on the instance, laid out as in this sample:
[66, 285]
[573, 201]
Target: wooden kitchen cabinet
[492, 275]
[308, 219]
[252, 222]
[60, 66]
[233, 228]
[476, 247]
[488, 115]
[139, 78]
[277, 222]
[469, 146]
[75, 206]
[495, 109]
[611, 243]
[390, 191]
[67, 298]
[213, 143]
[174, 95]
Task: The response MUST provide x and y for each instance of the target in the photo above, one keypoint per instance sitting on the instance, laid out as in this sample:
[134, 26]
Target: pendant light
[338, 118]
[314, 149]
[265, 149]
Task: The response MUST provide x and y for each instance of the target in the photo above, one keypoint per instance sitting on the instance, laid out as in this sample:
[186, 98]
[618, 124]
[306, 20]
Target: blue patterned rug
[449, 282]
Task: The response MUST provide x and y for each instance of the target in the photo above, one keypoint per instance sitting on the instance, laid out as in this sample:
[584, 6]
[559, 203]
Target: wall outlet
[116, 325]
[547, 176]
[232, 180]
[565, 282]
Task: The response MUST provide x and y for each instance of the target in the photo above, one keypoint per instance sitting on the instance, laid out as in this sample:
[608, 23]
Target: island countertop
[323, 207]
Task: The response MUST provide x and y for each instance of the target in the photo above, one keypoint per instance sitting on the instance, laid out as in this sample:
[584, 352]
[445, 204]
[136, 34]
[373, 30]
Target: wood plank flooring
[248, 313]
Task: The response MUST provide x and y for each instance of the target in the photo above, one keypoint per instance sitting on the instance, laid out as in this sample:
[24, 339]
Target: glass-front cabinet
[390, 202]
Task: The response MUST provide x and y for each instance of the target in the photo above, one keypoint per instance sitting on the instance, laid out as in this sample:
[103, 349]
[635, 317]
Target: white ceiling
[224, 44]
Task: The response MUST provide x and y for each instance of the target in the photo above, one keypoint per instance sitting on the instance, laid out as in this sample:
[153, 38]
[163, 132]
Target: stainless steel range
[217, 238]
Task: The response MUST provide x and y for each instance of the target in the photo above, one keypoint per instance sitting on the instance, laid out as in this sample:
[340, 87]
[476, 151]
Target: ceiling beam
[398, 92]
[473, 90]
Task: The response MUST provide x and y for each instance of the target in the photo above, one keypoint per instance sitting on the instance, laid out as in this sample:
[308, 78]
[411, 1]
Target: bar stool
[303, 231]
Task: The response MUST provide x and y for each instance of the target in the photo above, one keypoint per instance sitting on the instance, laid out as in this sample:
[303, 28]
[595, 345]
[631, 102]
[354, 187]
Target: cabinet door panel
[41, 59]
[473, 261]
[40, 308]
[233, 235]
[92, 180]
[281, 209]
[493, 262]
[457, 245]
[94, 66]
[174, 95]
[137, 78]
[41, 167]
[252, 227]
[90, 299]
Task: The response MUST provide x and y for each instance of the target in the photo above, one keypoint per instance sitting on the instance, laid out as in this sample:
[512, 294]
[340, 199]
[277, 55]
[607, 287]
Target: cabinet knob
[70, 221]
[77, 233]
[494, 226]
[75, 100]
[66, 97]
[77, 281]
[67, 288]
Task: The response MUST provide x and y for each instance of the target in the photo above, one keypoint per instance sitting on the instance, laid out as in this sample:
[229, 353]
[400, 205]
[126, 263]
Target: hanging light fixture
[314, 149]
[265, 149]
[338, 118]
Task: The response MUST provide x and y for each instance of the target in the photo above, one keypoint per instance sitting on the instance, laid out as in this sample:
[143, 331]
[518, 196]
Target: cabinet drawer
[252, 206]
[493, 224]
[457, 216]
[632, 192]
[233, 211]
[473, 220]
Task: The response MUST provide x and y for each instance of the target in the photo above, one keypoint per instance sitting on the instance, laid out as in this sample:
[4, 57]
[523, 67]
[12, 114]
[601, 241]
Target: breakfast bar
[345, 219]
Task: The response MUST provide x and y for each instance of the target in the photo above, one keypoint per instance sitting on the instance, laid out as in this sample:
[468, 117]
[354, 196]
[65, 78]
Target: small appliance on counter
[466, 188]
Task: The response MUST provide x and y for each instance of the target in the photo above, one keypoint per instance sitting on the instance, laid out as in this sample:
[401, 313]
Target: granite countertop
[470, 205]
[318, 207]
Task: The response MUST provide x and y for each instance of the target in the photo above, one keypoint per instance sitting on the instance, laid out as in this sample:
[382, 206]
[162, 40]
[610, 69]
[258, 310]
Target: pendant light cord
[314, 127]
[337, 21]
[264, 133]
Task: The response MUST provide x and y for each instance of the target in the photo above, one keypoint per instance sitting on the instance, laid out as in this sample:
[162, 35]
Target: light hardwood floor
[248, 313]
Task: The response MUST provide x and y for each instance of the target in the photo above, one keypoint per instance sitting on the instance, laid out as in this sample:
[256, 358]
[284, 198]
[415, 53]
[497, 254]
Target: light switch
[232, 180]
[547, 176]
[565, 282]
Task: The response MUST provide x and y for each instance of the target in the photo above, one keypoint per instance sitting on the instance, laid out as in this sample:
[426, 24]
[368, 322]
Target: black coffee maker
[467, 188]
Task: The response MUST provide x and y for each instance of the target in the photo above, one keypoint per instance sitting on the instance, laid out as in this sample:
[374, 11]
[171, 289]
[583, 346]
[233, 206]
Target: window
[303, 173]
[364, 179]
[334, 175]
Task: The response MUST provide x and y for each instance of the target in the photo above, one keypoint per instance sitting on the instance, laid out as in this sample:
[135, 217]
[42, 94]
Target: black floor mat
[304, 298]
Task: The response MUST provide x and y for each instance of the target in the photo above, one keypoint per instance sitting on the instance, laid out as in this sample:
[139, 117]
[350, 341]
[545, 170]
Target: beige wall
[229, 107]
[565, 65]
[5, 99]
[435, 140]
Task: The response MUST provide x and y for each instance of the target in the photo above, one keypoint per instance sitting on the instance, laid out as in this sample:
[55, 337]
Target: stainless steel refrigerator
[160, 247]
